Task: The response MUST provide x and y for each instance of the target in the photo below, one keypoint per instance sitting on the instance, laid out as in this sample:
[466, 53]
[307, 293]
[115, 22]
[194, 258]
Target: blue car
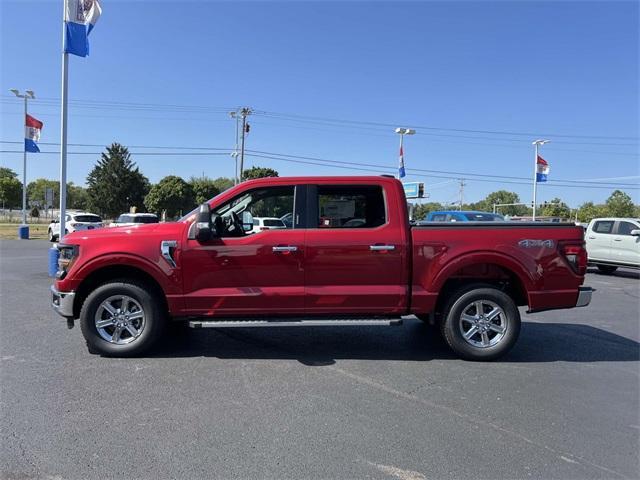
[463, 216]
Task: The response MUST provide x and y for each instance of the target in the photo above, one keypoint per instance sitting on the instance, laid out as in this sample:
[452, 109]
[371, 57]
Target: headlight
[68, 254]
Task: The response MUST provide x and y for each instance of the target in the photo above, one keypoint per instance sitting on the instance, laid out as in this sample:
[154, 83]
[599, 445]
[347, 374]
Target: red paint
[334, 271]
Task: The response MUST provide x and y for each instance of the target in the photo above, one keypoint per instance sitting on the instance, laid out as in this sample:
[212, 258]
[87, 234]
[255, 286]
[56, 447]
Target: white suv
[266, 223]
[74, 221]
[613, 243]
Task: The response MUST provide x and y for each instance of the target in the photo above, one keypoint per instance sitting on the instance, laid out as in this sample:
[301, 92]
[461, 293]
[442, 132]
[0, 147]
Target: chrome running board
[338, 322]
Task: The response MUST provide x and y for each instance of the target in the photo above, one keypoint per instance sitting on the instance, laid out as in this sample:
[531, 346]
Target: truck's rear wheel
[481, 323]
[121, 318]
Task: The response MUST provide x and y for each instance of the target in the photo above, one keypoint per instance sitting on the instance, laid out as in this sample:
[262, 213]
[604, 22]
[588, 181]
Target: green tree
[619, 204]
[502, 196]
[223, 183]
[116, 184]
[10, 188]
[421, 210]
[588, 211]
[171, 194]
[555, 208]
[204, 188]
[258, 172]
[36, 190]
[77, 197]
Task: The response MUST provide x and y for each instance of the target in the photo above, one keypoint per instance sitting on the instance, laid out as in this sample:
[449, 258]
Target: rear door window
[603, 226]
[351, 206]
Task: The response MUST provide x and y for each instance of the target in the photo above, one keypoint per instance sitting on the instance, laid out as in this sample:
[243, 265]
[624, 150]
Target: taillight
[576, 256]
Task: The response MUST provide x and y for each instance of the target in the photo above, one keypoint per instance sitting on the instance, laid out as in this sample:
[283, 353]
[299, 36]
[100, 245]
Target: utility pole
[235, 116]
[462, 185]
[26, 96]
[244, 113]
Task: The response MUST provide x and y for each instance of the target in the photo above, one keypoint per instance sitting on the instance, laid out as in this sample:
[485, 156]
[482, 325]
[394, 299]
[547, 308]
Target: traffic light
[246, 128]
[420, 190]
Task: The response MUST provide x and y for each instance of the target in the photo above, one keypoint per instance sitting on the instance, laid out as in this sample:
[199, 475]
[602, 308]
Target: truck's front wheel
[481, 323]
[122, 318]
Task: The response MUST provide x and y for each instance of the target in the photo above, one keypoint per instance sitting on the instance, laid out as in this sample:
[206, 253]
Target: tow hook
[70, 323]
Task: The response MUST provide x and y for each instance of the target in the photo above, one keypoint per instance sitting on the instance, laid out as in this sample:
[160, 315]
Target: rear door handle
[591, 238]
[381, 248]
[288, 248]
[617, 239]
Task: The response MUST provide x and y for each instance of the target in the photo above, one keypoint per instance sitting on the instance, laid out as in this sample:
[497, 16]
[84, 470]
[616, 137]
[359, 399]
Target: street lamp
[536, 144]
[402, 132]
[28, 94]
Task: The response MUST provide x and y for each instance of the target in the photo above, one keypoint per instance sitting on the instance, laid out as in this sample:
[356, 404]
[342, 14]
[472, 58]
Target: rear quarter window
[88, 218]
[603, 226]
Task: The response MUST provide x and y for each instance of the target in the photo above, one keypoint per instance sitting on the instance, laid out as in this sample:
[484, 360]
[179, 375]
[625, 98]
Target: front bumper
[62, 302]
[584, 296]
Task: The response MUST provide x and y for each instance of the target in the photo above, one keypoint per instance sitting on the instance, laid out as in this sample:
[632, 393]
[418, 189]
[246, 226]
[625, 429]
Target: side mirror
[205, 230]
[635, 233]
[247, 221]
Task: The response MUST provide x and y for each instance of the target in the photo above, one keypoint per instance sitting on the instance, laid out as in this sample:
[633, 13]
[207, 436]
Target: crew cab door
[355, 251]
[242, 273]
[599, 239]
[625, 248]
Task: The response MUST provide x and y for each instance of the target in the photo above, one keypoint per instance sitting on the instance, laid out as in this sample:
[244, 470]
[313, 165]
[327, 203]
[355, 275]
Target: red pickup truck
[348, 256]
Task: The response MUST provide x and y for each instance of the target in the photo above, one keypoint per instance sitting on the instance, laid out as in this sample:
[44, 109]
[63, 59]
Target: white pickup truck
[613, 243]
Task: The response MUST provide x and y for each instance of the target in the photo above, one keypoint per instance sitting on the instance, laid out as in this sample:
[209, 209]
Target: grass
[36, 231]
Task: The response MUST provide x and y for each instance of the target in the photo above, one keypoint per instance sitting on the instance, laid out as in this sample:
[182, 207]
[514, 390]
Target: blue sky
[568, 70]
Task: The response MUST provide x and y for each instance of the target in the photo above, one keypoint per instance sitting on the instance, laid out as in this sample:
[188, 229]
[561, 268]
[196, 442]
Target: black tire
[155, 318]
[606, 269]
[463, 301]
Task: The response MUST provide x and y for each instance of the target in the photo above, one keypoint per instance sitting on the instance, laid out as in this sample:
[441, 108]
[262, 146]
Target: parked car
[613, 243]
[125, 285]
[463, 216]
[266, 223]
[131, 219]
[74, 221]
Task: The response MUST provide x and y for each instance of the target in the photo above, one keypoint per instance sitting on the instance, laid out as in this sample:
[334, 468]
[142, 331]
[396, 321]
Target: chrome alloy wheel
[483, 323]
[119, 319]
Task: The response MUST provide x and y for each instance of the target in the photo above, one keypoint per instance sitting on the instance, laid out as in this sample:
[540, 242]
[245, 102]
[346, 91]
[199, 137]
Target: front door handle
[592, 238]
[381, 248]
[288, 248]
[617, 239]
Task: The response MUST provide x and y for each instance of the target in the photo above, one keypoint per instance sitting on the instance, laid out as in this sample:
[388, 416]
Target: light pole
[536, 144]
[402, 132]
[234, 115]
[28, 94]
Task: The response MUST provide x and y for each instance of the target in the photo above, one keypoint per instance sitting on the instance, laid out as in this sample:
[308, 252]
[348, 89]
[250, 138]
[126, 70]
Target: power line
[204, 151]
[308, 118]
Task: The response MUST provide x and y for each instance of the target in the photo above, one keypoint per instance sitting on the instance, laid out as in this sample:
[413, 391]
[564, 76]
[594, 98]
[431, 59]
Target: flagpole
[535, 178]
[24, 169]
[401, 152]
[63, 130]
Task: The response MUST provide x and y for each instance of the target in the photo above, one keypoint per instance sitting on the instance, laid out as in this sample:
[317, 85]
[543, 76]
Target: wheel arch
[104, 274]
[487, 268]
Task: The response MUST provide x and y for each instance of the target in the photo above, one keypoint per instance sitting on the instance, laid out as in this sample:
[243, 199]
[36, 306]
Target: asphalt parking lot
[351, 402]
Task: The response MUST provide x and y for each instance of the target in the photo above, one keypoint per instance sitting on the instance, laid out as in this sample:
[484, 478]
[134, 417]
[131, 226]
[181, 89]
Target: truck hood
[170, 229]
